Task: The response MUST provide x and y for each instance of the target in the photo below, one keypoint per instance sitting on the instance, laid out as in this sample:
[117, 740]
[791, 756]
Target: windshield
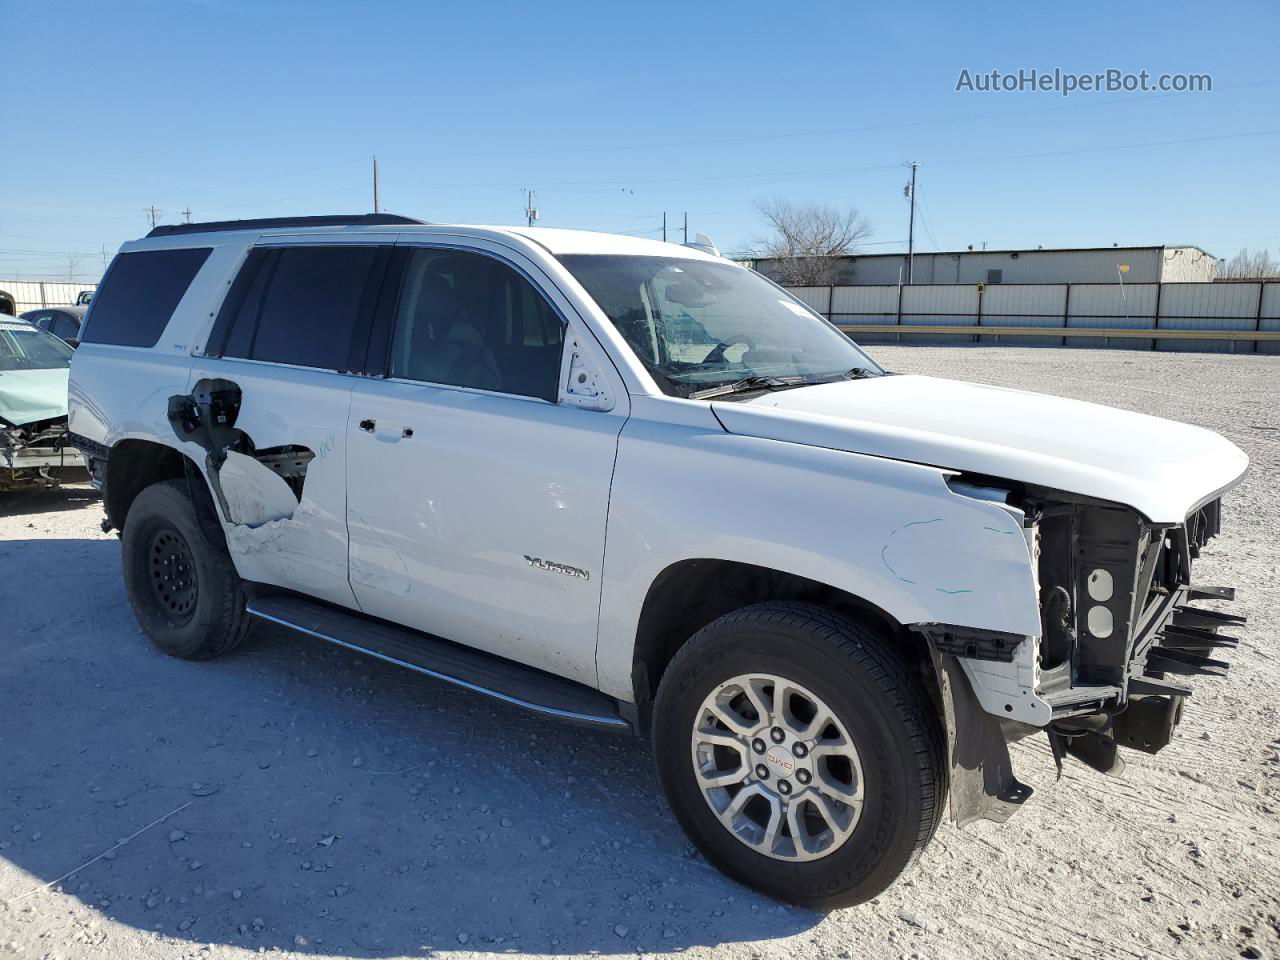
[24, 347]
[698, 325]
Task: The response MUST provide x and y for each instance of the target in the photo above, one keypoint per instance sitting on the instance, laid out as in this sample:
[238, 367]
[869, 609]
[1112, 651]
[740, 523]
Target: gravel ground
[298, 798]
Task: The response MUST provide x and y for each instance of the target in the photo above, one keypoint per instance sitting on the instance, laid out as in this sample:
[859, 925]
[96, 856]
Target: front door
[477, 502]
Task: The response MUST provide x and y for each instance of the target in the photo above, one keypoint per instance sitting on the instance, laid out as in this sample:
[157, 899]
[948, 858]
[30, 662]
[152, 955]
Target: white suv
[634, 485]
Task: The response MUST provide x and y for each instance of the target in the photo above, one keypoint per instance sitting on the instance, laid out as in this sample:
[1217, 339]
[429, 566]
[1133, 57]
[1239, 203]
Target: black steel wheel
[173, 573]
[181, 582]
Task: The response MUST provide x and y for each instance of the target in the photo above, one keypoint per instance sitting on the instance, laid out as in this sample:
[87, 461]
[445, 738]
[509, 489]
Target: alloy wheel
[777, 767]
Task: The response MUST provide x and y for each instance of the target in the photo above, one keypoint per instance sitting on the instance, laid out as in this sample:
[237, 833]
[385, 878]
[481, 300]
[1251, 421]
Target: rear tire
[181, 583]
[825, 824]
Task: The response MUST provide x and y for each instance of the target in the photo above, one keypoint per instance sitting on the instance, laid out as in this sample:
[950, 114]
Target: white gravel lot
[331, 805]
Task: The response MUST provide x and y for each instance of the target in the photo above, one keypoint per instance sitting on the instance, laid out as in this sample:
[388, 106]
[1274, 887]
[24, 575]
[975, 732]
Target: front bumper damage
[38, 454]
[1124, 631]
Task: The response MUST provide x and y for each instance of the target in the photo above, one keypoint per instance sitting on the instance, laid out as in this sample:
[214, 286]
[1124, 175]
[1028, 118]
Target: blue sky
[616, 112]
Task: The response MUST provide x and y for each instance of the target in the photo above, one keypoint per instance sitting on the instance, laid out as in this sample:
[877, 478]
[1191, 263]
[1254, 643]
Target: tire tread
[226, 622]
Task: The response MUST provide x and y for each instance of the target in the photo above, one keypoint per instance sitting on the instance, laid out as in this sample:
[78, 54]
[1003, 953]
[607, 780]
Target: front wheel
[800, 754]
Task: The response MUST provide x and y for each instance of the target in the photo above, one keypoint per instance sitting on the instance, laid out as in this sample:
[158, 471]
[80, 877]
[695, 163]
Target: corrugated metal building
[1164, 264]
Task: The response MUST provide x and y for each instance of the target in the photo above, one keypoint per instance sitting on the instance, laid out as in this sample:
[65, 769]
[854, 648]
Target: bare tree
[1247, 265]
[74, 261]
[808, 240]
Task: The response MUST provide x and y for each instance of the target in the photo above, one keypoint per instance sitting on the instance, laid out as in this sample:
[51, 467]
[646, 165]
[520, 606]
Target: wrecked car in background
[632, 485]
[33, 409]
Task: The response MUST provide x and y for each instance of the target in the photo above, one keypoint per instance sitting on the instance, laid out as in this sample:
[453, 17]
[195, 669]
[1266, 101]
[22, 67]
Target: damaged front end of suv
[1122, 634]
[1122, 637]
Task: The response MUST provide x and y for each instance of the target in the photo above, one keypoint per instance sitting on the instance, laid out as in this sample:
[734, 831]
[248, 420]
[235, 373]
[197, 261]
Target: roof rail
[332, 220]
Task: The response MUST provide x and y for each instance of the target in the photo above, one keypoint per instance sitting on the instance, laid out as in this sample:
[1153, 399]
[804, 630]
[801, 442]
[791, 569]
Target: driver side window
[468, 320]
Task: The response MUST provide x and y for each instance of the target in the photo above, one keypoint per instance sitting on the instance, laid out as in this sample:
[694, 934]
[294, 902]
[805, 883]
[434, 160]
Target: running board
[467, 667]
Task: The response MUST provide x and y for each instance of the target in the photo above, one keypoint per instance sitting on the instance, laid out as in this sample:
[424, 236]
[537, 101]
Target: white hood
[1161, 468]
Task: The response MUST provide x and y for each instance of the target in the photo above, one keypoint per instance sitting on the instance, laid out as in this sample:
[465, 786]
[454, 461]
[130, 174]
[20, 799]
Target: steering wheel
[717, 352]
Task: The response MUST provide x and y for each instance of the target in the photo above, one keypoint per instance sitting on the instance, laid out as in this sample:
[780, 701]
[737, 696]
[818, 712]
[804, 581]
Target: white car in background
[633, 485]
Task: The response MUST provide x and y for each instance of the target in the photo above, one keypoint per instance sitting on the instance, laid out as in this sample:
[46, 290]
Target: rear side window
[138, 295]
[302, 305]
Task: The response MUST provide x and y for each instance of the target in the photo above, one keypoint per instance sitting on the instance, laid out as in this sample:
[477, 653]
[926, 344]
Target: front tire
[800, 754]
[181, 583]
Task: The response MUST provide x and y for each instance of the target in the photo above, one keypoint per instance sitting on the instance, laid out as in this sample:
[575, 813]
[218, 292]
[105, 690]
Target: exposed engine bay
[1121, 632]
[1121, 636]
[38, 454]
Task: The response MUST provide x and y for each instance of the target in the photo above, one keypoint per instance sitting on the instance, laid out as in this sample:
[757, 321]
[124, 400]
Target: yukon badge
[553, 567]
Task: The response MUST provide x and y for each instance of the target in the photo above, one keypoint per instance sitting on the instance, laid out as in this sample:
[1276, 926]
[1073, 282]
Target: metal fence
[1206, 317]
[33, 294]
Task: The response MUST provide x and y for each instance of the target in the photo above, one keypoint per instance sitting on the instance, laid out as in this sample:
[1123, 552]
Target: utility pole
[153, 215]
[530, 211]
[104, 258]
[664, 226]
[376, 207]
[686, 226]
[910, 191]
[186, 215]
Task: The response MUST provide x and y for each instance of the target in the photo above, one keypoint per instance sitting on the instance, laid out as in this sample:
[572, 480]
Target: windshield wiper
[751, 384]
[748, 384]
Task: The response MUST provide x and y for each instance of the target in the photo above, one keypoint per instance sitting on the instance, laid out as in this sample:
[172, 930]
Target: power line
[924, 222]
[1078, 104]
[841, 171]
[798, 175]
[25, 236]
[780, 175]
[52, 253]
[836, 131]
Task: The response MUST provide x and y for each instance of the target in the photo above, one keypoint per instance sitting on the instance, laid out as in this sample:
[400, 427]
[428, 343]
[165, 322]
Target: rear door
[477, 499]
[285, 337]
